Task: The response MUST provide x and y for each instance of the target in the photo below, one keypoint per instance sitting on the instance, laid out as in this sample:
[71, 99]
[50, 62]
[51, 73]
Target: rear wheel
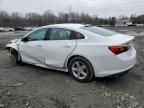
[81, 69]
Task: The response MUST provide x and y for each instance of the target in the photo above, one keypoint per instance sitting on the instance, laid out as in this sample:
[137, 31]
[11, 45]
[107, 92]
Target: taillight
[119, 49]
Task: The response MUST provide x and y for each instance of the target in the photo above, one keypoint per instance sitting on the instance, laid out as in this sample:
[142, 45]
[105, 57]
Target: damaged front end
[13, 48]
[13, 44]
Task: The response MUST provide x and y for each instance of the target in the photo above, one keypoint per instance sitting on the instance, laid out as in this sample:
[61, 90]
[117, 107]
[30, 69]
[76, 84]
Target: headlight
[9, 42]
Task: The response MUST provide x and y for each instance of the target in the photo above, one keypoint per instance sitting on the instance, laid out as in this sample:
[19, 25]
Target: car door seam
[64, 66]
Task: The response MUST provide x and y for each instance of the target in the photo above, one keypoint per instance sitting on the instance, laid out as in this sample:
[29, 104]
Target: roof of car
[68, 25]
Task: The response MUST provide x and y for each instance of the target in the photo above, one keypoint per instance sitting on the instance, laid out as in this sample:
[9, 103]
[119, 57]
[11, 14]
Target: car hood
[14, 41]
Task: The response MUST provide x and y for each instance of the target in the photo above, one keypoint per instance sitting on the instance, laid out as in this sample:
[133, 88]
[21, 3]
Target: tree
[4, 18]
[34, 19]
[49, 17]
[112, 21]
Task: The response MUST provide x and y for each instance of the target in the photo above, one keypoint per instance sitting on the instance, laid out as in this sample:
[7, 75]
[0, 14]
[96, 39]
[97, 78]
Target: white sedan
[6, 29]
[84, 51]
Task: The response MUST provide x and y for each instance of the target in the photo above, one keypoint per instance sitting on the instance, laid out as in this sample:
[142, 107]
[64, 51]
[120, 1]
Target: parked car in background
[6, 29]
[19, 29]
[1, 29]
[29, 28]
[84, 51]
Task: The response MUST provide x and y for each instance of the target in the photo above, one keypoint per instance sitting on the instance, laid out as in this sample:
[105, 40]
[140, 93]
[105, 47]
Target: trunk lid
[120, 39]
[121, 44]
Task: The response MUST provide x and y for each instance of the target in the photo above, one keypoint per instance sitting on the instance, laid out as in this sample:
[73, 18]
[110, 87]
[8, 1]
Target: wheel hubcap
[79, 70]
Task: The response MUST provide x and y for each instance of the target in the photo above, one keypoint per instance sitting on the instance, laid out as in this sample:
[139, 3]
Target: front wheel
[81, 69]
[14, 57]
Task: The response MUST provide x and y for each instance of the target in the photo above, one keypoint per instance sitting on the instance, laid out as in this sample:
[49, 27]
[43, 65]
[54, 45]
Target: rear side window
[59, 34]
[79, 35]
[64, 34]
[99, 30]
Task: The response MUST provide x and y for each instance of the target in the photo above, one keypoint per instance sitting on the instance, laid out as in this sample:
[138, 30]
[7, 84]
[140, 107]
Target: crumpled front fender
[13, 44]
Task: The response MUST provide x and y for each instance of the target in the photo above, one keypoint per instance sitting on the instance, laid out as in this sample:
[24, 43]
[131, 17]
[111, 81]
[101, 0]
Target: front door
[31, 51]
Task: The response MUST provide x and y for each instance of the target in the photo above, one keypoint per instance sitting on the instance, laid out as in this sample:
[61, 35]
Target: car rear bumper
[112, 72]
[111, 65]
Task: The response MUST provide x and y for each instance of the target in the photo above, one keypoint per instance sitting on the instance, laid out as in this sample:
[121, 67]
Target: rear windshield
[99, 30]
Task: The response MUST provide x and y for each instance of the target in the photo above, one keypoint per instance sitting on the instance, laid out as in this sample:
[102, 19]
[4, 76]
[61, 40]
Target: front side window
[99, 30]
[60, 34]
[37, 35]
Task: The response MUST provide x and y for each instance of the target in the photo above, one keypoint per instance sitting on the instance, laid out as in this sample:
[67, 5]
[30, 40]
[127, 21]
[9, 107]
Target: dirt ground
[27, 86]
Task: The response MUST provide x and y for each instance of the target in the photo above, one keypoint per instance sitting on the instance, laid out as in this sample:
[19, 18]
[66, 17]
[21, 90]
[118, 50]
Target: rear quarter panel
[93, 52]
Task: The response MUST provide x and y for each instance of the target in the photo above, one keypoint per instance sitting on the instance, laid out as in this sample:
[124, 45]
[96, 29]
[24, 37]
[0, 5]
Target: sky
[101, 8]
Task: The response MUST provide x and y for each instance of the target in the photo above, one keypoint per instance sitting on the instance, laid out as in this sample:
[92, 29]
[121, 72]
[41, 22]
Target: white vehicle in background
[82, 50]
[6, 29]
[1, 29]
[29, 28]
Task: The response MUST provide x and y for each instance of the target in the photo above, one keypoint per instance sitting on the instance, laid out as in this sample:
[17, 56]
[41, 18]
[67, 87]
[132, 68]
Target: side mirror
[24, 39]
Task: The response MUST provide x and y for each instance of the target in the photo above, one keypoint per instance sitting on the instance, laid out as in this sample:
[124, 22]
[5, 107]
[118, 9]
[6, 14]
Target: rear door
[61, 42]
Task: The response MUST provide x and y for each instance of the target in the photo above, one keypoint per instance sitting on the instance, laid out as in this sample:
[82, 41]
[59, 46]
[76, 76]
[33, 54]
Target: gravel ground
[27, 86]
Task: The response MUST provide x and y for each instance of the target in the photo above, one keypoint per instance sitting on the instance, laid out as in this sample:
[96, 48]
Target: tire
[14, 57]
[81, 69]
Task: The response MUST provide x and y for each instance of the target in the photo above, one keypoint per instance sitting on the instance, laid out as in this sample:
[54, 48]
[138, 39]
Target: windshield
[99, 30]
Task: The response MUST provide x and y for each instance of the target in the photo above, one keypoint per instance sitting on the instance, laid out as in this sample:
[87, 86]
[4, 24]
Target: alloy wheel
[79, 70]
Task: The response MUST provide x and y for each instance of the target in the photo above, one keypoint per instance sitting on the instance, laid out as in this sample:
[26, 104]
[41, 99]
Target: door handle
[66, 46]
[38, 45]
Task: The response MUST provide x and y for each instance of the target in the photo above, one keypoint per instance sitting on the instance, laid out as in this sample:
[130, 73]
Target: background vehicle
[1, 29]
[6, 29]
[19, 28]
[83, 50]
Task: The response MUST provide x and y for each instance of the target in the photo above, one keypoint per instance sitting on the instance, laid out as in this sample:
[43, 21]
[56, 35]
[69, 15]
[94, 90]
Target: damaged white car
[82, 50]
